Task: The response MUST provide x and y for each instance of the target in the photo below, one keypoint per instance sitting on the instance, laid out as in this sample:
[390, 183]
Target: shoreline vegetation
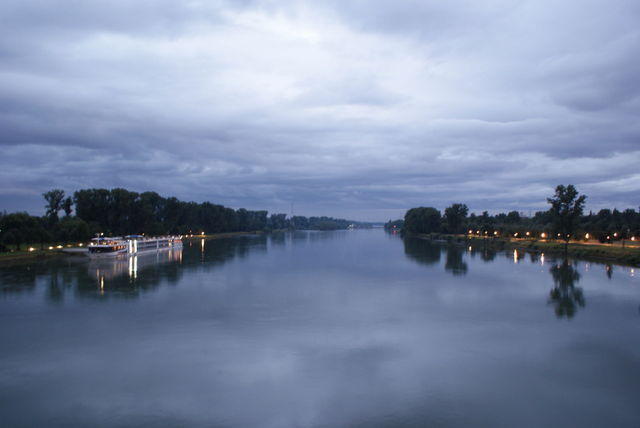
[608, 235]
[120, 212]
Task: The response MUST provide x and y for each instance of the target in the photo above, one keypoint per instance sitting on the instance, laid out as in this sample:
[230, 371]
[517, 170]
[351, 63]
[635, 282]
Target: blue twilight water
[326, 329]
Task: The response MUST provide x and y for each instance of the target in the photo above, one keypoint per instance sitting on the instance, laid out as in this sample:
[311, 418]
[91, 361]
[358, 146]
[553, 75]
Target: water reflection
[609, 270]
[565, 296]
[422, 251]
[455, 263]
[288, 330]
[102, 279]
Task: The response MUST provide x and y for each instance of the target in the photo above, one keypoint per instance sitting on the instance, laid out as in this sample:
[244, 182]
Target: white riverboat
[131, 245]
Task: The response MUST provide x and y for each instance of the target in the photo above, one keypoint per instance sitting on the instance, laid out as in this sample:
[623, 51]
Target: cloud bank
[353, 109]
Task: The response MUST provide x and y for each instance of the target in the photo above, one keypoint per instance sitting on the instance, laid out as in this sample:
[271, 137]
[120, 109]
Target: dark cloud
[358, 109]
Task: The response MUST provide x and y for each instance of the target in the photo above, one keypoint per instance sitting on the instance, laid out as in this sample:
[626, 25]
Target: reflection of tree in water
[422, 251]
[609, 270]
[488, 254]
[455, 263]
[218, 251]
[565, 296]
[278, 238]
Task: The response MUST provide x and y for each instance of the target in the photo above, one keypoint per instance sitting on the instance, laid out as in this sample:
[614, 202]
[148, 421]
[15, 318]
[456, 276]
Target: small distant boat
[131, 245]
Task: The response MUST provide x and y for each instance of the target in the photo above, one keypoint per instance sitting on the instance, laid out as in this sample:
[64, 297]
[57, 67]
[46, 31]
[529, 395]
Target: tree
[422, 220]
[67, 206]
[20, 228]
[513, 217]
[455, 216]
[72, 229]
[54, 200]
[566, 209]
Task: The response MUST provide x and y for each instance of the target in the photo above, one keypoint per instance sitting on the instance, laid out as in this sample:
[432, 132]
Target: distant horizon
[39, 208]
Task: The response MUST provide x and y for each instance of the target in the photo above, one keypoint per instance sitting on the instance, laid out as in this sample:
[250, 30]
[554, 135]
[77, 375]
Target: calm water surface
[320, 329]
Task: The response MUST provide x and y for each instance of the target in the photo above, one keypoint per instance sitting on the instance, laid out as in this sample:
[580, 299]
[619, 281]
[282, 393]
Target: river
[320, 329]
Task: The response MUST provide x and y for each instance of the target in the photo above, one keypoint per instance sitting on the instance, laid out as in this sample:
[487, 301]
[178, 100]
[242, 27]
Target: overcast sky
[358, 109]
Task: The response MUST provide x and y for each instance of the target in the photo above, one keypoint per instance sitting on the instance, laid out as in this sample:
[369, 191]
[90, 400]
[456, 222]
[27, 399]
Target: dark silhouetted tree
[566, 209]
[55, 199]
[67, 206]
[455, 216]
[422, 220]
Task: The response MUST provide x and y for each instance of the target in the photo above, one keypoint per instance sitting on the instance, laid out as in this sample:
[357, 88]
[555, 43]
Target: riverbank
[220, 235]
[50, 251]
[12, 256]
[595, 252]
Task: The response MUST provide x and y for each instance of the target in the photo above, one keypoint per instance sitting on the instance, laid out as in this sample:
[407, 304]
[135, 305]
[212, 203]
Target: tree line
[565, 219]
[118, 212]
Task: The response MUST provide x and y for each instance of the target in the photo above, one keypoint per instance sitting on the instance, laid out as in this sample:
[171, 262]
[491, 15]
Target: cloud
[362, 109]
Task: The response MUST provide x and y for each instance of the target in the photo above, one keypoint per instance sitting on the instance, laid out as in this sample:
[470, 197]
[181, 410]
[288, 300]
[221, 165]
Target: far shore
[48, 251]
[628, 255]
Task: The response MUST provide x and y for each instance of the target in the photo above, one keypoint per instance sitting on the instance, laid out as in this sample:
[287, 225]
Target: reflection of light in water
[133, 267]
[633, 272]
[515, 256]
[542, 259]
[102, 285]
[469, 248]
[586, 267]
[202, 245]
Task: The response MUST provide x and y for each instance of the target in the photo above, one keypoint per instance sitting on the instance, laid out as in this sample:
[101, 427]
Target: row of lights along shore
[543, 235]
